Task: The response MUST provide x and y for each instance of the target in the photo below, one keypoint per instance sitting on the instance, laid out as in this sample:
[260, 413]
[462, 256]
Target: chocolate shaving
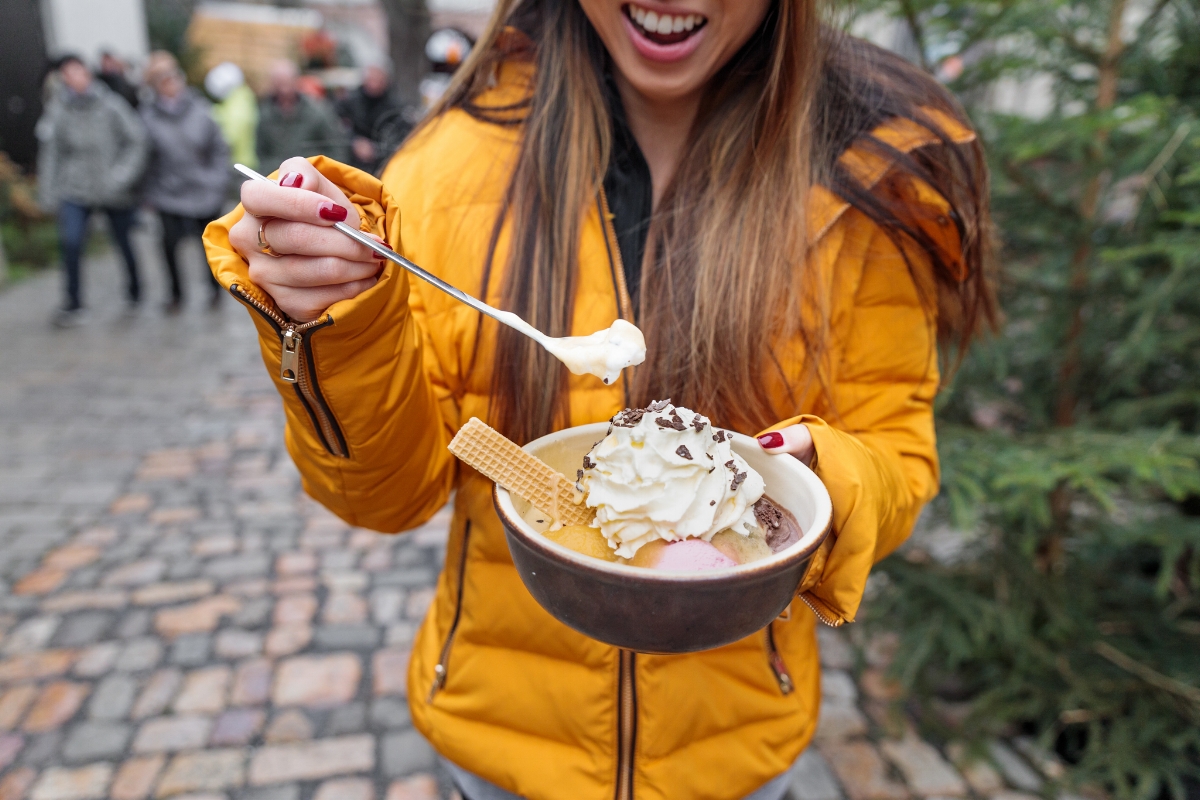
[588, 463]
[729, 465]
[683, 452]
[578, 475]
[719, 436]
[674, 423]
[629, 418]
[737, 481]
[658, 405]
[712, 502]
[769, 517]
[710, 458]
[698, 423]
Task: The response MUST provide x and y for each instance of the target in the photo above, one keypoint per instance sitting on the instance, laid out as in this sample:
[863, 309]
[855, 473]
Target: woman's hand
[317, 265]
[794, 439]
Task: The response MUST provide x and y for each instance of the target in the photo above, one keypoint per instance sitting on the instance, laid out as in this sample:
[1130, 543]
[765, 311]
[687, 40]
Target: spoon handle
[504, 317]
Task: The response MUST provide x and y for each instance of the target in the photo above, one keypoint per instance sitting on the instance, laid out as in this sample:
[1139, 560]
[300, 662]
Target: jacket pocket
[778, 668]
[441, 668]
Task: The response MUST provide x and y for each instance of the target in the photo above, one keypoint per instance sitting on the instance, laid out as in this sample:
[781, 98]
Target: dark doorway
[22, 67]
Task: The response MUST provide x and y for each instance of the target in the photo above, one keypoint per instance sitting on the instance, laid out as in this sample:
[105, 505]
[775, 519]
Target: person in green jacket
[291, 123]
[235, 110]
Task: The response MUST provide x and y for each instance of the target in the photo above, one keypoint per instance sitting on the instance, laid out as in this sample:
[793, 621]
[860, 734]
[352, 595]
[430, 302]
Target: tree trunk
[408, 30]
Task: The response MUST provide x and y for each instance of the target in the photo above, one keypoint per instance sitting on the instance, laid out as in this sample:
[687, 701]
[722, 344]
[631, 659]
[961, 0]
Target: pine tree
[1069, 441]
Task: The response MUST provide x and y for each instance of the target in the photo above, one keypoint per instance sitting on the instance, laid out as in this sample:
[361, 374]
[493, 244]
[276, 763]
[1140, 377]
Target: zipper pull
[439, 681]
[290, 357]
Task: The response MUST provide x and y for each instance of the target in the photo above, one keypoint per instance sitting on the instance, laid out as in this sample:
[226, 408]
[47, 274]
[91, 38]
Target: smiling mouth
[664, 28]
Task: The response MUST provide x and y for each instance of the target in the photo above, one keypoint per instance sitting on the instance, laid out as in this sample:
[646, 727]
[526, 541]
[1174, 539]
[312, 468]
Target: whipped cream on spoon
[603, 354]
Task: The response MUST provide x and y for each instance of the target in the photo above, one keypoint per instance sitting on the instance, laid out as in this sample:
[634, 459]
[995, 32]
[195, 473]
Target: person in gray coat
[291, 123]
[188, 172]
[92, 153]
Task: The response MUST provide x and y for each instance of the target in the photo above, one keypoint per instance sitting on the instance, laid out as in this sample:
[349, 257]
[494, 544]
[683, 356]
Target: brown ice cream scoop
[486, 450]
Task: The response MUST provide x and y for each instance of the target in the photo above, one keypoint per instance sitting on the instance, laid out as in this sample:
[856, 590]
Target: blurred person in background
[112, 72]
[189, 165]
[236, 111]
[91, 155]
[376, 119]
[290, 122]
[446, 49]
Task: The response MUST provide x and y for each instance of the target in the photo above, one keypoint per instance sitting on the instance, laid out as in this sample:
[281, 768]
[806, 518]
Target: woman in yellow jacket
[794, 219]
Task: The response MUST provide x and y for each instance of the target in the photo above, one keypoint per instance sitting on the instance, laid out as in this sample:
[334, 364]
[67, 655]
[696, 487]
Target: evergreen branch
[1148, 674]
[918, 31]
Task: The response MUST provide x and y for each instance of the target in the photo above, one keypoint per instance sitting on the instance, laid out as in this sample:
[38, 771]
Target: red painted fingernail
[291, 180]
[771, 440]
[332, 211]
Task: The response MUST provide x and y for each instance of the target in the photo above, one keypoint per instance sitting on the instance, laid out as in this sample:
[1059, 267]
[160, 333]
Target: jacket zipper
[626, 723]
[297, 367]
[616, 264]
[782, 676]
[440, 670]
[821, 612]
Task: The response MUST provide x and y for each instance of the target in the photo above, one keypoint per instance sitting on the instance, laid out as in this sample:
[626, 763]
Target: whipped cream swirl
[604, 353]
[664, 472]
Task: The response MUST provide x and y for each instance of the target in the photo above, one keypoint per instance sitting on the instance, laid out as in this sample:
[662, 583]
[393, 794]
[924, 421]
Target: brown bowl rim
[739, 574]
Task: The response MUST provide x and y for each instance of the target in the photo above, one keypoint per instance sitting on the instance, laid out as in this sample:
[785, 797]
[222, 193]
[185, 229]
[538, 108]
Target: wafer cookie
[526, 476]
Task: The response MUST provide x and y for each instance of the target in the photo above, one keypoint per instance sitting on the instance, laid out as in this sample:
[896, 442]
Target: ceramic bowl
[651, 611]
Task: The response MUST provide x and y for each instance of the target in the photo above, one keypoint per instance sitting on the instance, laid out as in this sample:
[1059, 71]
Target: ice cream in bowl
[656, 531]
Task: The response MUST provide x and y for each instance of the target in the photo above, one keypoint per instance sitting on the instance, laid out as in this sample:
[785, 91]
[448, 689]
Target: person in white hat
[235, 110]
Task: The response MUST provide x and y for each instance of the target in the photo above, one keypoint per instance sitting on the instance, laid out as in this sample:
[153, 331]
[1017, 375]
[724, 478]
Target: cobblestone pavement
[178, 620]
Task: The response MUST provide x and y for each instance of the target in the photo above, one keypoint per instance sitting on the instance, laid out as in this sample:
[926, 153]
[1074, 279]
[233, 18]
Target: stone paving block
[42, 750]
[317, 681]
[204, 691]
[97, 660]
[135, 623]
[418, 603]
[294, 584]
[130, 504]
[247, 565]
[280, 791]
[418, 578]
[11, 746]
[236, 727]
[344, 608]
[1014, 769]
[295, 609]
[386, 605]
[247, 587]
[390, 713]
[14, 703]
[812, 779]
[199, 617]
[415, 787]
[206, 770]
[837, 685]
[140, 654]
[57, 703]
[350, 718]
[345, 789]
[876, 685]
[16, 783]
[136, 573]
[295, 563]
[41, 581]
[113, 697]
[980, 775]
[235, 643]
[32, 634]
[839, 720]
[836, 652]
[927, 773]
[861, 771]
[376, 560]
[322, 758]
[404, 753]
[84, 783]
[215, 545]
[345, 580]
[171, 734]
[174, 516]
[346, 637]
[191, 649]
[400, 634]
[251, 683]
[157, 694]
[161, 594]
[85, 600]
[254, 613]
[389, 672]
[135, 778]
[92, 741]
[289, 726]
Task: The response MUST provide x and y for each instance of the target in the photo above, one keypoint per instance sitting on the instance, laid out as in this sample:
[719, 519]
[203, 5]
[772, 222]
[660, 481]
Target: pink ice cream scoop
[692, 555]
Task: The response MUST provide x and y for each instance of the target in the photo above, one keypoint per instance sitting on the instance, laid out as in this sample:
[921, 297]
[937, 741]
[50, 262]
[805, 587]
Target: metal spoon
[620, 346]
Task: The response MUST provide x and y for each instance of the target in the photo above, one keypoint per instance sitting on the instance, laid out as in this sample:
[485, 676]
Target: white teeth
[640, 15]
[689, 22]
[664, 24]
[650, 23]
[676, 24]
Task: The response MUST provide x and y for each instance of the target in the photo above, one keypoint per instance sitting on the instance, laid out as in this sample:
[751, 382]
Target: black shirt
[629, 191]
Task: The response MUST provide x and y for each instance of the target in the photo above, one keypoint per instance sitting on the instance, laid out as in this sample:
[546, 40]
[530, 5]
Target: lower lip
[662, 53]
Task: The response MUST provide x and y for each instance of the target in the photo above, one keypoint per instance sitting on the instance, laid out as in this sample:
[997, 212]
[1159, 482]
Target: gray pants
[474, 787]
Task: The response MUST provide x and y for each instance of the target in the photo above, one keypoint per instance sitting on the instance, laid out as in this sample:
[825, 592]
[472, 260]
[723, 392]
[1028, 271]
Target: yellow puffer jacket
[499, 686]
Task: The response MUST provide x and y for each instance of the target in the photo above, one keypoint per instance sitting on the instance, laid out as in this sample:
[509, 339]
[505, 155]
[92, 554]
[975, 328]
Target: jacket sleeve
[134, 153]
[875, 444]
[368, 372]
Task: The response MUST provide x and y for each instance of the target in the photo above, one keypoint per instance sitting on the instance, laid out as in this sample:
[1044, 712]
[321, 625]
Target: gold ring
[263, 246]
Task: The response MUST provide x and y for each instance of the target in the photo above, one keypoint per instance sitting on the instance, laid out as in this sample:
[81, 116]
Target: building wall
[86, 27]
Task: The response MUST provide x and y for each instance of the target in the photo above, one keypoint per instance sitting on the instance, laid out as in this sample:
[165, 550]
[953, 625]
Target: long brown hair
[725, 276]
